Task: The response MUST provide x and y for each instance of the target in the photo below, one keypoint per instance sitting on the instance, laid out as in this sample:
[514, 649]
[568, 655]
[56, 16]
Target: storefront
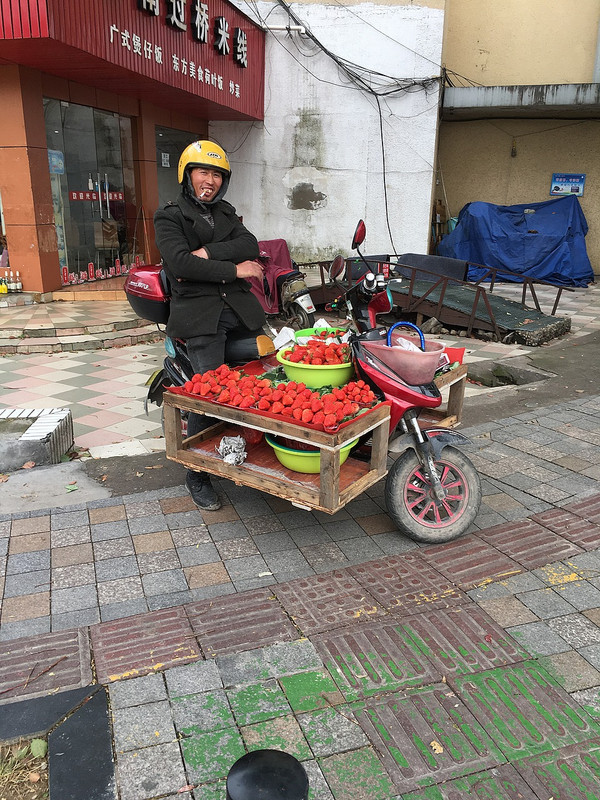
[99, 99]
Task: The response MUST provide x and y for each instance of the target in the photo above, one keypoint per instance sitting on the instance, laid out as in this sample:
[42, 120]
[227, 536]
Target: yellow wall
[475, 163]
[505, 42]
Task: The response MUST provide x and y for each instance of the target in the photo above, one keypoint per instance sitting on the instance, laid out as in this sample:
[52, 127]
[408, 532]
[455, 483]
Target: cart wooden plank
[328, 491]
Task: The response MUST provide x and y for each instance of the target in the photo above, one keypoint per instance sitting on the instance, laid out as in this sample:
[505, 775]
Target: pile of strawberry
[319, 352]
[325, 408]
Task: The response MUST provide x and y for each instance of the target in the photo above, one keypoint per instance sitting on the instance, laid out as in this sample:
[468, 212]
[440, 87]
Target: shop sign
[92, 195]
[56, 162]
[567, 183]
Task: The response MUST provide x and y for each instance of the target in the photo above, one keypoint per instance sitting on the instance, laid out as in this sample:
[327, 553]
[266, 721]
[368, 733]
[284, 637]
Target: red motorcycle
[432, 491]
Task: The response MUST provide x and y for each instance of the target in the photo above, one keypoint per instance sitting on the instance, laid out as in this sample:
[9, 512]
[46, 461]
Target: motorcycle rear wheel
[301, 318]
[410, 501]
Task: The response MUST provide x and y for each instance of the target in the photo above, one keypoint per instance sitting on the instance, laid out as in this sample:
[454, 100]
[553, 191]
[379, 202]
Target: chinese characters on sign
[91, 195]
[567, 184]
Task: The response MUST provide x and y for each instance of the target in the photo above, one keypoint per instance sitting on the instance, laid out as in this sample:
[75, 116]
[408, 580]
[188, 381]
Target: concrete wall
[522, 41]
[315, 166]
[476, 164]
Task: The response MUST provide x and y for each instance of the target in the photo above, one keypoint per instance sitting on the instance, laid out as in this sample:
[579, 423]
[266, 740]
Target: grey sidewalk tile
[71, 536]
[120, 590]
[28, 562]
[508, 611]
[359, 550]
[190, 556]
[311, 534]
[586, 564]
[332, 730]
[227, 530]
[135, 692]
[246, 584]
[109, 530]
[75, 619]
[576, 629]
[157, 769]
[145, 509]
[190, 537]
[4, 546]
[257, 526]
[273, 542]
[236, 548]
[546, 603]
[571, 670]
[363, 506]
[296, 518]
[524, 582]
[143, 726]
[158, 562]
[74, 599]
[201, 676]
[27, 583]
[113, 568]
[183, 519]
[169, 599]
[24, 628]
[250, 508]
[113, 548]
[556, 573]
[69, 519]
[258, 702]
[208, 592]
[246, 568]
[127, 608]
[580, 594]
[75, 575]
[592, 654]
[207, 711]
[166, 582]
[153, 524]
[274, 661]
[538, 639]
[589, 699]
[284, 561]
[393, 544]
[346, 529]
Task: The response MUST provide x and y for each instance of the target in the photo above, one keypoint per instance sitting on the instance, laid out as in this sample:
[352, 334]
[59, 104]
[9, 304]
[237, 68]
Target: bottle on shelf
[18, 283]
[11, 282]
[3, 286]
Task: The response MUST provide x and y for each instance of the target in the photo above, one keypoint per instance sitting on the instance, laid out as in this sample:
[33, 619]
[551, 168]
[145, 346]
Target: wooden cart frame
[328, 491]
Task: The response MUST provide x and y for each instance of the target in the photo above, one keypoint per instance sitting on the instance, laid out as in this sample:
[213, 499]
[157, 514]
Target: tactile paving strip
[372, 658]
[462, 640]
[408, 584]
[323, 602]
[240, 622]
[501, 783]
[524, 710]
[570, 773]
[580, 531]
[470, 562]
[529, 544]
[426, 736]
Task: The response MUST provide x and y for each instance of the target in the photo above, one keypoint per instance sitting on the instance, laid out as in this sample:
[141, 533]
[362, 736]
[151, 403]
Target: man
[207, 254]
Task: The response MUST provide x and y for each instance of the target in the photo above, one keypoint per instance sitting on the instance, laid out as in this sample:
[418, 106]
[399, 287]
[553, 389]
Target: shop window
[93, 190]
[170, 144]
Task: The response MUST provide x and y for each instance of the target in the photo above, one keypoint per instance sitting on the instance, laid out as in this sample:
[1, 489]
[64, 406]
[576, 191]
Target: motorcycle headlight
[169, 347]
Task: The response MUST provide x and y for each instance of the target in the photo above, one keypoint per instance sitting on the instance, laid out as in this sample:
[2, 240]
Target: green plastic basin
[303, 460]
[314, 375]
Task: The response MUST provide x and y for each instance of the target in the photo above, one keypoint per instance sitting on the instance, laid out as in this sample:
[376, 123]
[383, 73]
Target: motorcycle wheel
[411, 504]
[301, 318]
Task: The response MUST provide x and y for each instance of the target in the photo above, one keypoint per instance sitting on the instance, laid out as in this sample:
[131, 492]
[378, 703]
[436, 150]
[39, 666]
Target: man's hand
[249, 269]
[201, 253]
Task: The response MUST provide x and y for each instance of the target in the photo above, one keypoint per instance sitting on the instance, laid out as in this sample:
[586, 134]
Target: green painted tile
[282, 733]
[306, 691]
[258, 702]
[573, 772]
[525, 710]
[210, 756]
[357, 775]
[207, 711]
[212, 791]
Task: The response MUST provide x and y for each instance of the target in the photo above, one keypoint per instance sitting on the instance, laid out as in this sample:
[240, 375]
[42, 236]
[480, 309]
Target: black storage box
[147, 290]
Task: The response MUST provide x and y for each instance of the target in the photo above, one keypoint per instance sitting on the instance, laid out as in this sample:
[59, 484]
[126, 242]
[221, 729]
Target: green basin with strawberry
[315, 376]
[306, 332]
[308, 461]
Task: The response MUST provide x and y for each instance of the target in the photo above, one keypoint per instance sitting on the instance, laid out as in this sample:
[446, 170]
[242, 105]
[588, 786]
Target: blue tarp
[545, 241]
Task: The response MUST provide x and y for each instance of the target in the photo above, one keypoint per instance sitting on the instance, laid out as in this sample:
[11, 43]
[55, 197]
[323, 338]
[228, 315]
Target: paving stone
[577, 530]
[210, 755]
[150, 507]
[135, 692]
[109, 530]
[74, 599]
[201, 676]
[469, 562]
[591, 653]
[307, 691]
[258, 526]
[282, 733]
[273, 661]
[150, 772]
[258, 702]
[139, 645]
[142, 726]
[528, 543]
[538, 639]
[20, 527]
[309, 535]
[319, 790]
[576, 629]
[325, 557]
[323, 602]
[239, 622]
[587, 564]
[546, 603]
[372, 658]
[107, 514]
[273, 542]
[79, 618]
[165, 582]
[575, 770]
[408, 584]
[332, 730]
[70, 536]
[197, 554]
[148, 524]
[207, 575]
[35, 666]
[28, 543]
[27, 583]
[524, 710]
[557, 574]
[184, 519]
[460, 640]
[589, 699]
[29, 606]
[128, 608]
[508, 611]
[72, 519]
[250, 567]
[357, 775]
[571, 670]
[72, 555]
[28, 562]
[582, 595]
[24, 628]
[206, 711]
[500, 783]
[121, 590]
[287, 565]
[76, 575]
[169, 599]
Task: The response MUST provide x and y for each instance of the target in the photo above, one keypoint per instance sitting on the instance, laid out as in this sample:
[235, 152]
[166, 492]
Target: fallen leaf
[436, 747]
[103, 477]
[33, 777]
[71, 487]
[28, 465]
[187, 788]
[139, 474]
[3, 478]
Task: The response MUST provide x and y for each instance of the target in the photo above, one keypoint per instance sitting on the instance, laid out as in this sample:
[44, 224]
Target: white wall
[314, 167]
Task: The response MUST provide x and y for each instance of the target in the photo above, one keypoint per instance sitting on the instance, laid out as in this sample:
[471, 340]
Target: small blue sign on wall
[56, 161]
[564, 183]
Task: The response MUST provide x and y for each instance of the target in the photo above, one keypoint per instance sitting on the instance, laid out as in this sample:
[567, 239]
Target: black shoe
[199, 486]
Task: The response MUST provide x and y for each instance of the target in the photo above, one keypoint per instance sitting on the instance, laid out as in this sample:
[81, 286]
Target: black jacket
[200, 287]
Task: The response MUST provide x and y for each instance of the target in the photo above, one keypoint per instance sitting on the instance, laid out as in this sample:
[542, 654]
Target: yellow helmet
[203, 154]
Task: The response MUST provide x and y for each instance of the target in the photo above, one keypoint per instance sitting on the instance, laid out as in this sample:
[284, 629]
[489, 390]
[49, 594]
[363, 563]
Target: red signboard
[193, 55]
[90, 195]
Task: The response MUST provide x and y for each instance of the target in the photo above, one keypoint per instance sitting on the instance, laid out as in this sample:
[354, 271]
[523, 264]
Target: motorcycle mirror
[338, 265]
[359, 235]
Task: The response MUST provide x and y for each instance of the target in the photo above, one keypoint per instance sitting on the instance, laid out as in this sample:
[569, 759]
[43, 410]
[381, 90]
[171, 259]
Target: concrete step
[96, 337]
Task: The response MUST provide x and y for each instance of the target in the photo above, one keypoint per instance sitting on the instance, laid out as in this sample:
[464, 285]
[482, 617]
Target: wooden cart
[328, 491]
